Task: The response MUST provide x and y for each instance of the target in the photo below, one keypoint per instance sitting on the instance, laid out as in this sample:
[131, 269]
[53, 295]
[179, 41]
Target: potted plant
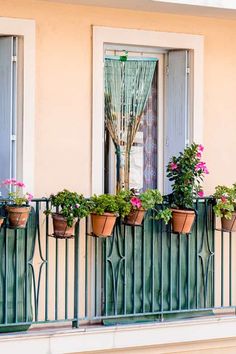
[186, 173]
[104, 210]
[70, 207]
[225, 206]
[141, 202]
[18, 208]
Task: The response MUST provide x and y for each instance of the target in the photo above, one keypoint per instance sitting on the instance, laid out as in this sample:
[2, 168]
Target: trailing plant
[15, 192]
[225, 201]
[70, 205]
[186, 172]
[108, 203]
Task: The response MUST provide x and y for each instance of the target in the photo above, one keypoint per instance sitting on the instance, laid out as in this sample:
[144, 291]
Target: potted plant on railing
[104, 211]
[186, 173]
[141, 202]
[70, 206]
[225, 206]
[18, 208]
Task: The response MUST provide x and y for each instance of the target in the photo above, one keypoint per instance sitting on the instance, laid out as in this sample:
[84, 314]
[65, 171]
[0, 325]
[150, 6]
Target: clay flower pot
[182, 221]
[60, 227]
[229, 225]
[135, 217]
[17, 216]
[102, 225]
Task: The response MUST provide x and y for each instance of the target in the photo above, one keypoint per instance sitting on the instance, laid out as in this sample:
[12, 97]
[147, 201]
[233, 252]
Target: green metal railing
[139, 274]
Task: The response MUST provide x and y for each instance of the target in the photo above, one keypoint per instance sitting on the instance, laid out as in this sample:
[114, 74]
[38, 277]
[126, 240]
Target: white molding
[26, 29]
[199, 334]
[104, 35]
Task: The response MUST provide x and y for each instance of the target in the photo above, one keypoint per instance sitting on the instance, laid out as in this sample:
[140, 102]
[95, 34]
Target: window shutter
[7, 108]
[176, 118]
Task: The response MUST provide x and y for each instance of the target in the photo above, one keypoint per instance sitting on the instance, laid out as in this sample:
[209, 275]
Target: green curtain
[127, 86]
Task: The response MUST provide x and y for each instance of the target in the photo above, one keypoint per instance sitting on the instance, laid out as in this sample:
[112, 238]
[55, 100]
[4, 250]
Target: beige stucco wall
[64, 77]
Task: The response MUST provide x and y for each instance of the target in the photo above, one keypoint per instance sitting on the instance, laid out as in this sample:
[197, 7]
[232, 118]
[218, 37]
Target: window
[10, 109]
[166, 122]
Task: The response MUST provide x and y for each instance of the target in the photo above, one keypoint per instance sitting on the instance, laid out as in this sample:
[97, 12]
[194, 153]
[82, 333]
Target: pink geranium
[223, 199]
[201, 166]
[200, 193]
[136, 202]
[173, 166]
[19, 184]
[200, 148]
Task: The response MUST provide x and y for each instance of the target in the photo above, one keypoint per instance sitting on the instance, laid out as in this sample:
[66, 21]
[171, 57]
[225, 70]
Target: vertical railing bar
[213, 245]
[222, 268]
[6, 277]
[26, 275]
[188, 270]
[86, 267]
[105, 274]
[161, 239]
[96, 276]
[125, 280]
[230, 269]
[170, 270]
[143, 268]
[66, 278]
[47, 261]
[16, 275]
[152, 264]
[196, 245]
[56, 282]
[134, 268]
[75, 323]
[179, 273]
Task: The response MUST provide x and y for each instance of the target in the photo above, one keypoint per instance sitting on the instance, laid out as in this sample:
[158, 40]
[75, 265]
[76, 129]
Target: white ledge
[100, 338]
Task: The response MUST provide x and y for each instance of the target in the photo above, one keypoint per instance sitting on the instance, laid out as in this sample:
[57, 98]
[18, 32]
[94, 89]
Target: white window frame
[133, 37]
[26, 30]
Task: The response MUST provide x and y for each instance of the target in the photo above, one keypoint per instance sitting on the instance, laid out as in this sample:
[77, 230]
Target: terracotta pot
[229, 225]
[102, 225]
[135, 217]
[1, 221]
[182, 221]
[18, 216]
[60, 227]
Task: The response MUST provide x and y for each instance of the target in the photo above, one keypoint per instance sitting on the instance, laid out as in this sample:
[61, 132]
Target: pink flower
[200, 193]
[77, 206]
[6, 182]
[200, 148]
[136, 202]
[201, 166]
[199, 155]
[20, 184]
[29, 196]
[173, 166]
[223, 199]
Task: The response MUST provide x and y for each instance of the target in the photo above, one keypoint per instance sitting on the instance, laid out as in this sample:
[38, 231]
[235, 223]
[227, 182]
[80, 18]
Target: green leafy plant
[15, 192]
[225, 201]
[147, 200]
[186, 172]
[108, 203]
[70, 205]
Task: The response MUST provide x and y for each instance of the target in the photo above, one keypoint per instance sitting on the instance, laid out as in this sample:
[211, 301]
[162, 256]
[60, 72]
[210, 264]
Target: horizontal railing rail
[140, 273]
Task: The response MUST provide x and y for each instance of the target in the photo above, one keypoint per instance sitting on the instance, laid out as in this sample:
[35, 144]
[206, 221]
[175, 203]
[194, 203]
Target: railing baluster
[6, 277]
[222, 268]
[161, 240]
[86, 267]
[75, 323]
[47, 261]
[16, 275]
[134, 268]
[188, 270]
[196, 250]
[26, 277]
[66, 278]
[230, 269]
[152, 264]
[96, 276]
[179, 273]
[170, 269]
[56, 282]
[143, 268]
[125, 280]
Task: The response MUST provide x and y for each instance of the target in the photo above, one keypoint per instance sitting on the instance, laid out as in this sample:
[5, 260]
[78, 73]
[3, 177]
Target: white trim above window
[26, 30]
[131, 37]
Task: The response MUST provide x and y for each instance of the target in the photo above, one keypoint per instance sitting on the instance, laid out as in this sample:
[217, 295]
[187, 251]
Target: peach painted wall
[64, 77]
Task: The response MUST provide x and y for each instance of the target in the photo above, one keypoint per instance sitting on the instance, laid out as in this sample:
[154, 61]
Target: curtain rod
[116, 57]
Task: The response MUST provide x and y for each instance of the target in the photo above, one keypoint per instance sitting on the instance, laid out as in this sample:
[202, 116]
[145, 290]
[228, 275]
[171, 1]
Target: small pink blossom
[200, 148]
[173, 166]
[20, 184]
[200, 193]
[29, 196]
[201, 166]
[77, 206]
[6, 182]
[136, 202]
[199, 155]
[223, 199]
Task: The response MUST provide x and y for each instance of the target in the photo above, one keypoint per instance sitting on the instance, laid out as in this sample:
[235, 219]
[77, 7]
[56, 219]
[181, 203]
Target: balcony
[139, 275]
